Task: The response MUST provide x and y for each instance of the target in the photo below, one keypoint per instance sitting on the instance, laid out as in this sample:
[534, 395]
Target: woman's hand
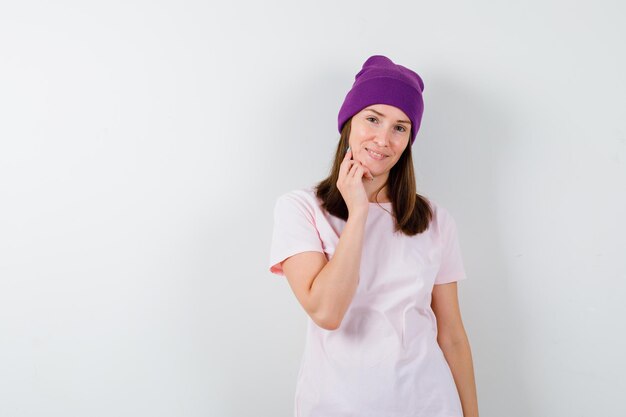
[350, 184]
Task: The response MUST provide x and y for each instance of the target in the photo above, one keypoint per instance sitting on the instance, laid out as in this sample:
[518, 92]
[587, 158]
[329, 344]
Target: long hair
[412, 212]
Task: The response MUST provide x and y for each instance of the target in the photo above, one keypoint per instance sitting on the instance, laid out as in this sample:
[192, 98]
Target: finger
[351, 170]
[344, 173]
[367, 173]
[346, 157]
[364, 170]
[344, 168]
[356, 169]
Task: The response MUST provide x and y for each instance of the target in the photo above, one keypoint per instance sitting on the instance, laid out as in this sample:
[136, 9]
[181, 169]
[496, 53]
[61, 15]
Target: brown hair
[412, 212]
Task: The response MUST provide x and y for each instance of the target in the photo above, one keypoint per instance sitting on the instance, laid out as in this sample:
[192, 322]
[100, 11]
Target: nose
[382, 138]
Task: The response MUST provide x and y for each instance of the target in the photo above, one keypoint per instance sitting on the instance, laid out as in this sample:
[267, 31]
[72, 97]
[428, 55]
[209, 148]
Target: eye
[370, 117]
[402, 127]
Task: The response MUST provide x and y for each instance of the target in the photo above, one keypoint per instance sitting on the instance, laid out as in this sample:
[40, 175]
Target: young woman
[375, 266]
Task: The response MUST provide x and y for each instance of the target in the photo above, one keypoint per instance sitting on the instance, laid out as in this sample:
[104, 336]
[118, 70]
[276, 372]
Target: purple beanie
[380, 81]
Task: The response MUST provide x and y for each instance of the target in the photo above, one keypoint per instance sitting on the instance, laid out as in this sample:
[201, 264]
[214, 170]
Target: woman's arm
[326, 288]
[453, 341]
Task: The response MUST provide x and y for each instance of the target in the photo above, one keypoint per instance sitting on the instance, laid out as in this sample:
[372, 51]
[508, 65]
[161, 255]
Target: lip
[374, 150]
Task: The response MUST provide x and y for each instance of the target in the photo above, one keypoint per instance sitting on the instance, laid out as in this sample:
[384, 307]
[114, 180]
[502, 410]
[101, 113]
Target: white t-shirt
[384, 359]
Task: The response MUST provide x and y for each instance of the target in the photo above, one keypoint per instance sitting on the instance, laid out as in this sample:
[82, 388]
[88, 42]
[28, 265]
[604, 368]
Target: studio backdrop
[143, 146]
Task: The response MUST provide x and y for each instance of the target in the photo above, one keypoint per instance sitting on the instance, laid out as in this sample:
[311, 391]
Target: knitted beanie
[380, 81]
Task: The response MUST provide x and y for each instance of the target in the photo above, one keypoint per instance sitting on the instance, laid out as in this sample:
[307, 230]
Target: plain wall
[143, 145]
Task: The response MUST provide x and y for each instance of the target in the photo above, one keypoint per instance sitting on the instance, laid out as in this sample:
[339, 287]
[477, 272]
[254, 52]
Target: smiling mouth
[375, 155]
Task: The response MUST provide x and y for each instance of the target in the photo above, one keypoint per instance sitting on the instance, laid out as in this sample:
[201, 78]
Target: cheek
[395, 161]
[362, 156]
[363, 128]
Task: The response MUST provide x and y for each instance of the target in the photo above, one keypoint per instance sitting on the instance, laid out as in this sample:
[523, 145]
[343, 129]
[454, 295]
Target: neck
[377, 190]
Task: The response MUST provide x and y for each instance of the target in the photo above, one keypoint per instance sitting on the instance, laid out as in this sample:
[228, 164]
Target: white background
[143, 144]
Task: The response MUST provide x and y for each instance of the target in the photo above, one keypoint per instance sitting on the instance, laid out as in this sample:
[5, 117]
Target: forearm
[459, 357]
[334, 287]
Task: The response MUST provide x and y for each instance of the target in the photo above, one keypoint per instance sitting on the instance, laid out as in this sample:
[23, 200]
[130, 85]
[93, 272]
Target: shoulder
[300, 199]
[304, 195]
[442, 217]
[439, 208]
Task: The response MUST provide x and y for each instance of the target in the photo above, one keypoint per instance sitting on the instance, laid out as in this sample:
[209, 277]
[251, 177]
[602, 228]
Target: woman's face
[379, 128]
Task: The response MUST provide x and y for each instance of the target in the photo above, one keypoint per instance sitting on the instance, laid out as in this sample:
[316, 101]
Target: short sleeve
[294, 231]
[451, 268]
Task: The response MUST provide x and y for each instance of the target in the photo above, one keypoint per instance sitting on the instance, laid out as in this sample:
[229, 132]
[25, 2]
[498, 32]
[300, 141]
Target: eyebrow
[380, 114]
